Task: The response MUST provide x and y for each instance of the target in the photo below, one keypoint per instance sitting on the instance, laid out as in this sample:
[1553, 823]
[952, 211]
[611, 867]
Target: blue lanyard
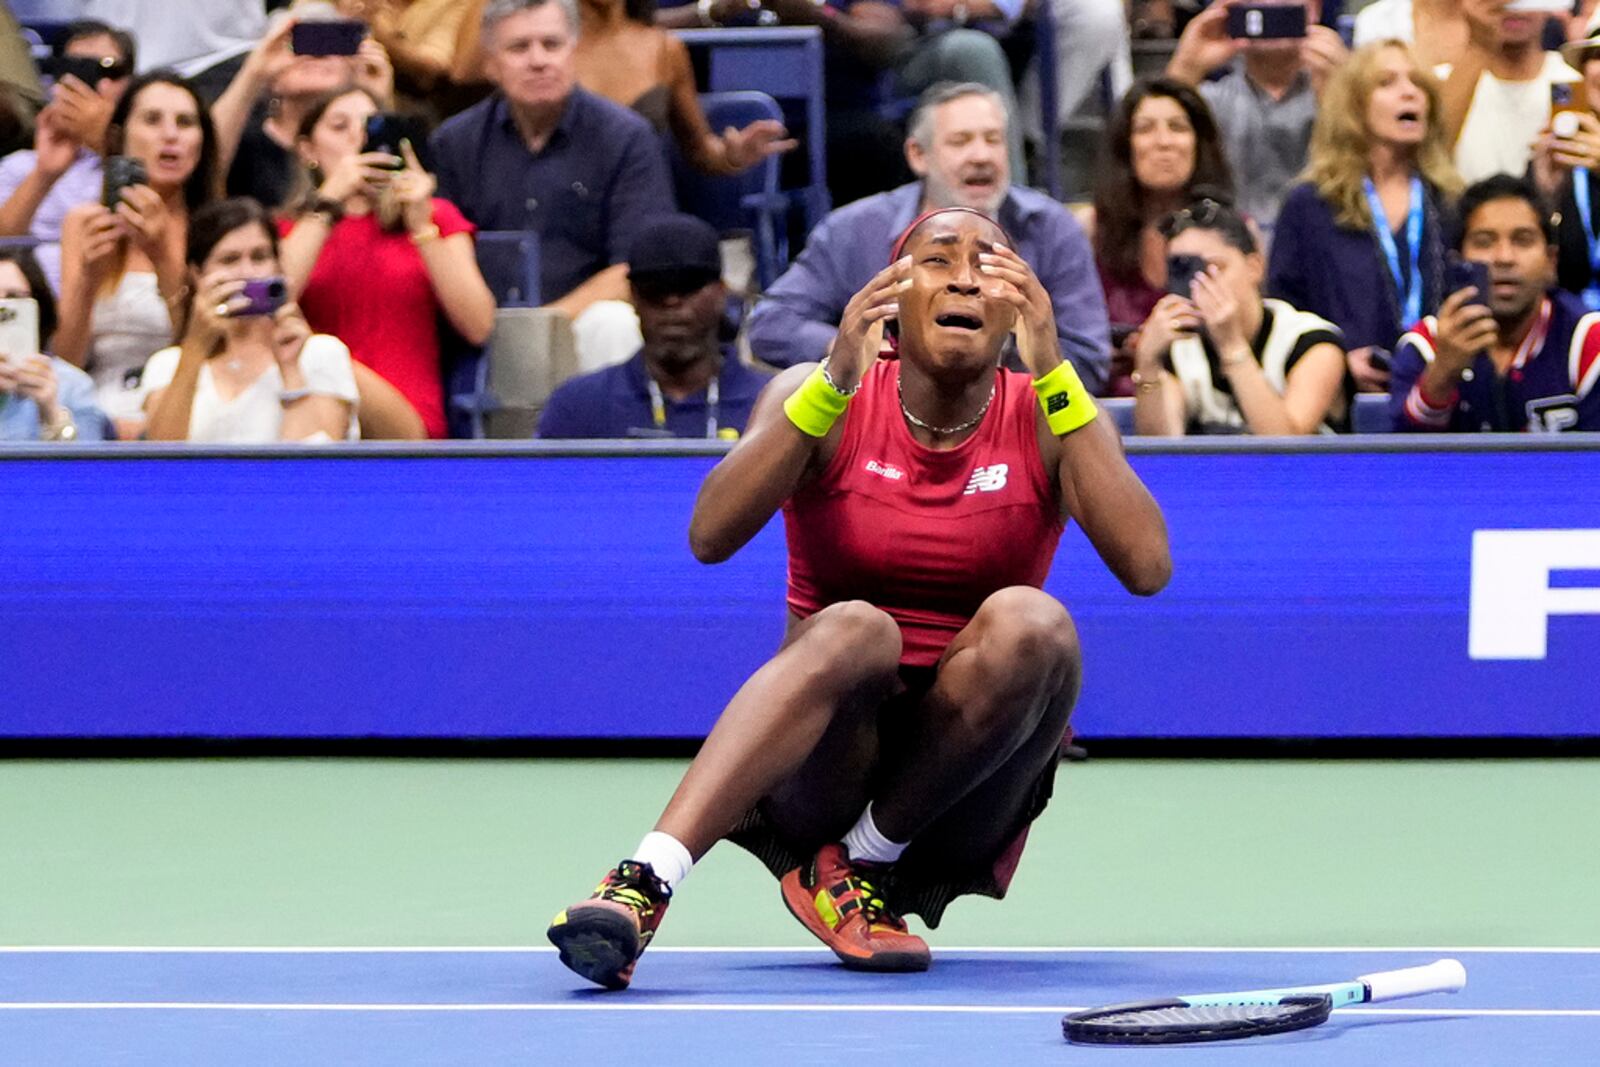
[1412, 294]
[1580, 193]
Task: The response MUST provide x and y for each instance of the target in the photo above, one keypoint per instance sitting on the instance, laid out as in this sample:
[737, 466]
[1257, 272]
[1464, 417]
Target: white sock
[666, 856]
[866, 842]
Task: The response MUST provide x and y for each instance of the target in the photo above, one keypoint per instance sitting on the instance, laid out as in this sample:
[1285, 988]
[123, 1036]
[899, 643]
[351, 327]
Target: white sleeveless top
[255, 415]
[126, 327]
[1286, 334]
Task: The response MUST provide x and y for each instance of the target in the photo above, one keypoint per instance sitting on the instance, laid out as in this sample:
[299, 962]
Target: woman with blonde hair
[1362, 240]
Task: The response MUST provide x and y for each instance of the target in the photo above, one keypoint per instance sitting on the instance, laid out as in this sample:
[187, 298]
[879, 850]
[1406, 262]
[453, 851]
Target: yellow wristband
[816, 405]
[1067, 404]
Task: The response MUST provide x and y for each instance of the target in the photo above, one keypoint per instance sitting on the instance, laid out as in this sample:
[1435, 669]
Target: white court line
[690, 949]
[902, 1009]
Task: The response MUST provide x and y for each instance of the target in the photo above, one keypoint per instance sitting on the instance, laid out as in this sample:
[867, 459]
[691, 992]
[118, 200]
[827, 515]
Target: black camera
[121, 172]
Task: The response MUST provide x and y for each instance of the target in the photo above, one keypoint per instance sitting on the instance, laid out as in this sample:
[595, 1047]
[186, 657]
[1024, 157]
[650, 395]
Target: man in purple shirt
[544, 155]
[39, 186]
[957, 148]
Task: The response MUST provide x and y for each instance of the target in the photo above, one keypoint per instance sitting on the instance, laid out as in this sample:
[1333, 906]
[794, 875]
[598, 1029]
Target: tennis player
[893, 753]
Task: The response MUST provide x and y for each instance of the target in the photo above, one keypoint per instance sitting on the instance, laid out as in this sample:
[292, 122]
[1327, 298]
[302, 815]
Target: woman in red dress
[893, 753]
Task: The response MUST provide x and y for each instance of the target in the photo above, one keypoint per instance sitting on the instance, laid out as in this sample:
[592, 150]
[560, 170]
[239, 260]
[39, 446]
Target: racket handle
[1445, 976]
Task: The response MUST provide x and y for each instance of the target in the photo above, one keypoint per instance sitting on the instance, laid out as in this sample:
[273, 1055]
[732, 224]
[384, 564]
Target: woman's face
[163, 133]
[340, 133]
[951, 315]
[13, 283]
[1239, 273]
[244, 254]
[1162, 145]
[1397, 109]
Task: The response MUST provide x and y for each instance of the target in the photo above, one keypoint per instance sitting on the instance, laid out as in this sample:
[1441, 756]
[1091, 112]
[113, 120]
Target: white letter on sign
[1511, 596]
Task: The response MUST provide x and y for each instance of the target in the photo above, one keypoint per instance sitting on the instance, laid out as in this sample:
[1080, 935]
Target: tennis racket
[1224, 1016]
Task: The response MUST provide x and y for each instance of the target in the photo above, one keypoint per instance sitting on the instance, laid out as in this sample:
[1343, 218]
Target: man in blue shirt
[682, 382]
[542, 154]
[957, 147]
[1523, 356]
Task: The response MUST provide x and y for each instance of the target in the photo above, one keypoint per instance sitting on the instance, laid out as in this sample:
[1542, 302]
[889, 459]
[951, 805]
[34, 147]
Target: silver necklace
[943, 431]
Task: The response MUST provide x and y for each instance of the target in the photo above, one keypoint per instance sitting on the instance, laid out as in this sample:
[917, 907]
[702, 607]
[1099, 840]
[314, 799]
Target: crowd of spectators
[260, 221]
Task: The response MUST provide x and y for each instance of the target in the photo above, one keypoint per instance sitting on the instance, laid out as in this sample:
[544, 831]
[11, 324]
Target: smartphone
[88, 70]
[386, 130]
[1266, 22]
[1461, 273]
[121, 172]
[1566, 101]
[1181, 270]
[327, 37]
[19, 329]
[266, 295]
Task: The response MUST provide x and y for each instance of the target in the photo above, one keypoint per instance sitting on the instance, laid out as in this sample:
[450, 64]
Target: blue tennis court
[447, 1005]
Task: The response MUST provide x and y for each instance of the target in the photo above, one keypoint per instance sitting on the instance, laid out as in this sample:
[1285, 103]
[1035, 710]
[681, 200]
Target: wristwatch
[65, 430]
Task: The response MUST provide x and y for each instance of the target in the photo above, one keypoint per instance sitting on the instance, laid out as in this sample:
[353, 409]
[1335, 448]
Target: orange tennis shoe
[840, 904]
[603, 937]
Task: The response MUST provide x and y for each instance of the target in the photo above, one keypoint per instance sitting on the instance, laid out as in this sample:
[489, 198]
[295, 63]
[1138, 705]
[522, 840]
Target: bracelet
[1067, 405]
[428, 233]
[289, 396]
[846, 393]
[817, 404]
[1145, 383]
[326, 206]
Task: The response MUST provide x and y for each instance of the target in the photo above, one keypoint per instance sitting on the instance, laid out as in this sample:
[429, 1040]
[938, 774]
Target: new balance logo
[885, 470]
[987, 479]
[1056, 402]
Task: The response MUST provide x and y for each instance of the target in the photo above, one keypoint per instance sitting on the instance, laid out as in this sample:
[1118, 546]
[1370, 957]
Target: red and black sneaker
[840, 903]
[603, 937]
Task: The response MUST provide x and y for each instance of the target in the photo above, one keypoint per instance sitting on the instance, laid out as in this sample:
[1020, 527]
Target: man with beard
[956, 145]
[1524, 356]
[683, 382]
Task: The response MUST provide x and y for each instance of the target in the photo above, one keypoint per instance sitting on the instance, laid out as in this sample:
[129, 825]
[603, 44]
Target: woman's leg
[839, 664]
[1010, 676]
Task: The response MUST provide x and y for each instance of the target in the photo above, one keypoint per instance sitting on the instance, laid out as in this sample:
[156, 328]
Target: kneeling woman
[245, 369]
[893, 753]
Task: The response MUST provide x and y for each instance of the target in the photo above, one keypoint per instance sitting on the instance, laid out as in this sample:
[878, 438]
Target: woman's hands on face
[855, 347]
[1020, 288]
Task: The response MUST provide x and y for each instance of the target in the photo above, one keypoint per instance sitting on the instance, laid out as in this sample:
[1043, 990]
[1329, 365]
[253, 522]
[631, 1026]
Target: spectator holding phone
[1161, 151]
[1278, 61]
[1523, 356]
[1496, 98]
[376, 259]
[1566, 161]
[544, 154]
[122, 273]
[41, 398]
[93, 64]
[1215, 357]
[247, 368]
[307, 53]
[1361, 241]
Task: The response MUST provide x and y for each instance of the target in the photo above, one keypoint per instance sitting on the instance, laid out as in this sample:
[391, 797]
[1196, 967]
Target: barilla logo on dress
[885, 470]
[987, 479]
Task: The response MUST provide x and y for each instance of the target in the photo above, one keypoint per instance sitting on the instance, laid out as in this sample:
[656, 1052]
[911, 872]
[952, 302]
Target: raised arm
[775, 455]
[1098, 488]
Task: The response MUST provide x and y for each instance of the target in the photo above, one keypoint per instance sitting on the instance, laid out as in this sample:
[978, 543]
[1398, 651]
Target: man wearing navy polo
[542, 154]
[683, 382]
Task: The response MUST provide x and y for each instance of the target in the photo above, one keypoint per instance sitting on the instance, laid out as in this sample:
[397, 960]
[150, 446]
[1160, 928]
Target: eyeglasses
[1203, 212]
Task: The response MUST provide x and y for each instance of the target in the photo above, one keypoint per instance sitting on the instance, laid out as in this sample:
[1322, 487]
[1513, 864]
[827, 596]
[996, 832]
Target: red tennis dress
[925, 535]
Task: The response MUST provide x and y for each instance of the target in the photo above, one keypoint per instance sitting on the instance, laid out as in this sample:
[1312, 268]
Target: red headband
[905, 235]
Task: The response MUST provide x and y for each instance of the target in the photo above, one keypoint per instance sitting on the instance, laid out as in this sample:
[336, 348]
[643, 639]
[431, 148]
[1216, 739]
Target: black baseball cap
[674, 254]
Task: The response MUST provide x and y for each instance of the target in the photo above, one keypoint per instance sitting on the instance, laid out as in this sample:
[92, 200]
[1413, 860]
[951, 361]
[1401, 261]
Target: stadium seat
[1371, 414]
[509, 260]
[747, 201]
[531, 352]
[1120, 408]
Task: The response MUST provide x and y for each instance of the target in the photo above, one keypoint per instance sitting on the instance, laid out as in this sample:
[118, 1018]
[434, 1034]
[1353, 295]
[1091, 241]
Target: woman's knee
[856, 638]
[1027, 627]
